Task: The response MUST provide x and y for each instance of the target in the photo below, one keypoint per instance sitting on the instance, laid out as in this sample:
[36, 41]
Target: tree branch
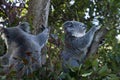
[38, 13]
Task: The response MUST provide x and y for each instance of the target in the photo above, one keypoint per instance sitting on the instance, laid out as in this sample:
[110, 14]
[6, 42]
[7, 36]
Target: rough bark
[38, 14]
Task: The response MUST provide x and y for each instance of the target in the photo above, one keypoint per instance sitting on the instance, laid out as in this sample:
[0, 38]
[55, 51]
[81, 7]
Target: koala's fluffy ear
[24, 26]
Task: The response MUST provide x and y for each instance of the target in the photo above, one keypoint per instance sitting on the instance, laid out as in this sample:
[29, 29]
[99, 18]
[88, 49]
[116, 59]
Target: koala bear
[23, 49]
[77, 42]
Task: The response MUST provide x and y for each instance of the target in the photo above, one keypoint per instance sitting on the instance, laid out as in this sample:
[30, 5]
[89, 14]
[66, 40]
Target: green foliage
[104, 65]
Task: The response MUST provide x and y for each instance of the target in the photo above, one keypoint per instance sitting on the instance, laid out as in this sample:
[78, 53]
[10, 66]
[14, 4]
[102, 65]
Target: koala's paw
[43, 27]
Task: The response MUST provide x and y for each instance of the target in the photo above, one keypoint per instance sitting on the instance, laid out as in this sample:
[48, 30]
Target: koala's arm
[86, 40]
[43, 37]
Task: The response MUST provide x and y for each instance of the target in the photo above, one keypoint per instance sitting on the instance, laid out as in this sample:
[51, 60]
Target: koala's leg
[74, 63]
[4, 60]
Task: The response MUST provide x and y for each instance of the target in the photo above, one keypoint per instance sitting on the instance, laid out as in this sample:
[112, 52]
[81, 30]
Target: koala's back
[25, 50]
[25, 44]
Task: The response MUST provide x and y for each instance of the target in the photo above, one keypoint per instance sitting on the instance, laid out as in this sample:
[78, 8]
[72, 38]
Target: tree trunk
[38, 14]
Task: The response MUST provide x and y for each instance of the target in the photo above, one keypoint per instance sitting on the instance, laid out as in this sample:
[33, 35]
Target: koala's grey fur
[25, 26]
[77, 42]
[23, 49]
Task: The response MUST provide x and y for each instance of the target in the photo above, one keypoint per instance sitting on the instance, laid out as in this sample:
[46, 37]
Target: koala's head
[74, 28]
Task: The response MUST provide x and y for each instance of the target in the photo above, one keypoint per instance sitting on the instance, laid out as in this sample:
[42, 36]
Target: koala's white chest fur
[76, 34]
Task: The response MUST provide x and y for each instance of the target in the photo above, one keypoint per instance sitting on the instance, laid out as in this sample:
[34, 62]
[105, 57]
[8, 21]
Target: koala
[24, 26]
[23, 49]
[77, 42]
